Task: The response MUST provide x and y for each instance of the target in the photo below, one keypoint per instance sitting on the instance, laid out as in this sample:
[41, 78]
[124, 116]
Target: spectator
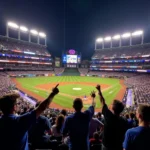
[127, 116]
[139, 138]
[95, 139]
[95, 125]
[100, 118]
[64, 112]
[15, 127]
[56, 129]
[77, 125]
[114, 125]
[131, 120]
[24, 111]
[53, 120]
[37, 133]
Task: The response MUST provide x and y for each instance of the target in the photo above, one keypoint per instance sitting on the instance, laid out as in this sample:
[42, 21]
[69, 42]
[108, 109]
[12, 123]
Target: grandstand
[21, 58]
[131, 63]
[124, 59]
[21, 55]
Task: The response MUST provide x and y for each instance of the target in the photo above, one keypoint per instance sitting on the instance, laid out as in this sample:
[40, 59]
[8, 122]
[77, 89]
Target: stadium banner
[57, 63]
[82, 75]
[31, 75]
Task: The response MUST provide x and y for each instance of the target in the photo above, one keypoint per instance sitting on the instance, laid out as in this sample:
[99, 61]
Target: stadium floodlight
[108, 38]
[13, 25]
[126, 35]
[99, 40]
[136, 33]
[23, 28]
[34, 32]
[41, 34]
[116, 37]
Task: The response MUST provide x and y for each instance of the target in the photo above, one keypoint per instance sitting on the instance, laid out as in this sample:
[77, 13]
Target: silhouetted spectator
[37, 133]
[64, 112]
[139, 138]
[15, 127]
[77, 126]
[114, 125]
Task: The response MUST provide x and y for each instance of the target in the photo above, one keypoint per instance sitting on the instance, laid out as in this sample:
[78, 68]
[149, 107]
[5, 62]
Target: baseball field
[71, 87]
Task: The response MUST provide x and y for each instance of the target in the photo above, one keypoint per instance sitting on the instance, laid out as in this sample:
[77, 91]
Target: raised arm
[102, 100]
[47, 101]
[93, 95]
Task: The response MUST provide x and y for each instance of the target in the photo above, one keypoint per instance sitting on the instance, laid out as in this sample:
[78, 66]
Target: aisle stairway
[71, 72]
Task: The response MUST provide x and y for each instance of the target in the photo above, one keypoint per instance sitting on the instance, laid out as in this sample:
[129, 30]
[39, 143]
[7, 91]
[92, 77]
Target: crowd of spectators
[111, 74]
[59, 70]
[116, 65]
[17, 73]
[83, 71]
[122, 52]
[141, 86]
[14, 44]
[16, 53]
[39, 127]
[6, 85]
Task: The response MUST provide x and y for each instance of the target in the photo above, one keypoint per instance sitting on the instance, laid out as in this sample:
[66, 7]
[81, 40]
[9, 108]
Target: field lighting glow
[99, 40]
[34, 32]
[136, 33]
[126, 35]
[116, 37]
[23, 28]
[42, 34]
[108, 38]
[13, 25]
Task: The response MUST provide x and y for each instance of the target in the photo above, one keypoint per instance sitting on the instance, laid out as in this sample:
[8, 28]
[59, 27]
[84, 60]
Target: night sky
[81, 20]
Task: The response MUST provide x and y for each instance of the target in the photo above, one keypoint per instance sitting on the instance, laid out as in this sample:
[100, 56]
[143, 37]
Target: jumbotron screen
[71, 59]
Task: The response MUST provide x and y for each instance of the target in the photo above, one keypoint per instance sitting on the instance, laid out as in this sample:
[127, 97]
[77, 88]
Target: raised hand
[98, 87]
[93, 95]
[47, 101]
[55, 90]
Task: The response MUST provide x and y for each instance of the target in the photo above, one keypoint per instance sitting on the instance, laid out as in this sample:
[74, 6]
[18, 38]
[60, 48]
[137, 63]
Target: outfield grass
[65, 101]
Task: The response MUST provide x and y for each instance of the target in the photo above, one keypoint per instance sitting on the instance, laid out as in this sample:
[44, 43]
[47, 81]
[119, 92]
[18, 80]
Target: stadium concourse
[131, 64]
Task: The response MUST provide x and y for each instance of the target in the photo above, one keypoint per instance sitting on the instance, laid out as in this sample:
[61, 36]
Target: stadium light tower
[43, 35]
[11, 25]
[108, 39]
[99, 40]
[34, 33]
[139, 33]
[117, 37]
[22, 29]
[127, 35]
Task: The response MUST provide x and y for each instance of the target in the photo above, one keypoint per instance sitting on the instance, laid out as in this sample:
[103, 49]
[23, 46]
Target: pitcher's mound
[77, 89]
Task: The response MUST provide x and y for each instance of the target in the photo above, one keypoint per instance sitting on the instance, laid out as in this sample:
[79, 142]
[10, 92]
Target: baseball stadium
[53, 89]
[74, 75]
[29, 68]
